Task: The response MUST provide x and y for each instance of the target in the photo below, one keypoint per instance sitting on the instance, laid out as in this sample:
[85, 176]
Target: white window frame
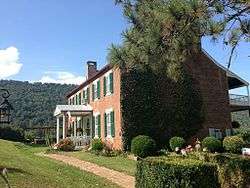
[215, 132]
[107, 85]
[96, 114]
[85, 100]
[95, 90]
[108, 121]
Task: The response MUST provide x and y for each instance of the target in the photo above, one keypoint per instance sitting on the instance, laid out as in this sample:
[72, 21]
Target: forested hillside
[34, 103]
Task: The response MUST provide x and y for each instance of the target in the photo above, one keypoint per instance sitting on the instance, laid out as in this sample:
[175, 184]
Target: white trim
[108, 110]
[229, 73]
[107, 73]
[96, 113]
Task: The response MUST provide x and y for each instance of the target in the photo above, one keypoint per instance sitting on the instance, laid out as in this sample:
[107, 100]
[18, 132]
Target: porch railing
[242, 100]
[81, 140]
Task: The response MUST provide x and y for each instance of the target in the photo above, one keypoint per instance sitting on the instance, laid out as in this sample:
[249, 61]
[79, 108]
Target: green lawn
[31, 171]
[118, 163]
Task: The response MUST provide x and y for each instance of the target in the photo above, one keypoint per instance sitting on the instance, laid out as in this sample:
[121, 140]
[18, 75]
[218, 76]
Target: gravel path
[116, 177]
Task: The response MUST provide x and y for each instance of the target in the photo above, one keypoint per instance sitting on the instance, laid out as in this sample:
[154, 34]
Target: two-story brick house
[94, 107]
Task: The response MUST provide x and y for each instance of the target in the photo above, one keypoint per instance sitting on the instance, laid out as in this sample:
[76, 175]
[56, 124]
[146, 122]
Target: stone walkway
[116, 177]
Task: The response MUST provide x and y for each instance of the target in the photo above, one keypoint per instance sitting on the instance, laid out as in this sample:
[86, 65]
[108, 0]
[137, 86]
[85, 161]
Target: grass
[118, 163]
[28, 170]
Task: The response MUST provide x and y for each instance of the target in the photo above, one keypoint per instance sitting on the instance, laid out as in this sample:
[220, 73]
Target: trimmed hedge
[176, 172]
[212, 144]
[233, 144]
[175, 142]
[97, 145]
[143, 146]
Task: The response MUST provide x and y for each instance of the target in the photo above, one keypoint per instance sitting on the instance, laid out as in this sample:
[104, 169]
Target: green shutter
[98, 89]
[93, 88]
[112, 117]
[99, 125]
[111, 82]
[93, 126]
[105, 124]
[88, 96]
[83, 96]
[104, 85]
[80, 98]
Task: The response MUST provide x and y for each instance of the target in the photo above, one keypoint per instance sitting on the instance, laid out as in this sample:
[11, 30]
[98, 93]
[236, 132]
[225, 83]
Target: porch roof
[73, 109]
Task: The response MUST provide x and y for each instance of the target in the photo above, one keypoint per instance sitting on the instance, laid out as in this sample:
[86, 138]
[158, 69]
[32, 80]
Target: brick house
[94, 107]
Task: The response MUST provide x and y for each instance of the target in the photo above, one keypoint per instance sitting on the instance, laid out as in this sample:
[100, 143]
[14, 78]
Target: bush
[11, 133]
[212, 144]
[244, 133]
[97, 145]
[66, 145]
[175, 172]
[143, 146]
[175, 142]
[233, 144]
[29, 136]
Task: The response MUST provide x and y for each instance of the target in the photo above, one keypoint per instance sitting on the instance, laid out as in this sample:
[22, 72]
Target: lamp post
[5, 107]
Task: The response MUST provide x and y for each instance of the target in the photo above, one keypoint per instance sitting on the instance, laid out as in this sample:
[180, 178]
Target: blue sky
[54, 38]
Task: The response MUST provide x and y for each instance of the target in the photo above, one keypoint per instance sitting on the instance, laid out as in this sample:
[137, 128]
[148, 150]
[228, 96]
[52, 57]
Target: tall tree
[172, 29]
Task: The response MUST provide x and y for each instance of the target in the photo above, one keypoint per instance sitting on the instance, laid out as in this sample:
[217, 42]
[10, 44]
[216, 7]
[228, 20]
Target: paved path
[119, 178]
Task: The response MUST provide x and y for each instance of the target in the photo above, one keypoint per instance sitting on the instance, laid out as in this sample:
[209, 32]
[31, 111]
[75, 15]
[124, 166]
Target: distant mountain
[34, 103]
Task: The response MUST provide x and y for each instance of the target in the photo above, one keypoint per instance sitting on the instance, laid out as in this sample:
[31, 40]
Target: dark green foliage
[233, 170]
[212, 144]
[242, 117]
[175, 172]
[66, 145]
[143, 146]
[244, 133]
[233, 144]
[97, 145]
[29, 136]
[11, 133]
[35, 103]
[175, 142]
[148, 108]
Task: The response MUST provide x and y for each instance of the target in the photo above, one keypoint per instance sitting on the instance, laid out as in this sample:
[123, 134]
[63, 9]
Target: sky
[51, 40]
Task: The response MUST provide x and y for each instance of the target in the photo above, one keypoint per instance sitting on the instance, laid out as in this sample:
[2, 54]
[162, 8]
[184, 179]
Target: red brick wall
[106, 102]
[213, 84]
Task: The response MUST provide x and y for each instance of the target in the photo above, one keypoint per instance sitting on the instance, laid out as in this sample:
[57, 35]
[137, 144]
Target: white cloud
[61, 77]
[9, 62]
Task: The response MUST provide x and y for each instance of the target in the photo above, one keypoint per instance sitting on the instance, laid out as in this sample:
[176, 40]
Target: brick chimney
[92, 68]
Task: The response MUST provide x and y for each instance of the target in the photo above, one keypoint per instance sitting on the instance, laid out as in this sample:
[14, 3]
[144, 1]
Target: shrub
[97, 145]
[66, 145]
[11, 133]
[29, 136]
[175, 172]
[212, 144]
[233, 144]
[175, 142]
[143, 146]
[244, 133]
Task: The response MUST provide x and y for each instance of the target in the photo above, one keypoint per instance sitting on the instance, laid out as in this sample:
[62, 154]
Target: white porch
[75, 122]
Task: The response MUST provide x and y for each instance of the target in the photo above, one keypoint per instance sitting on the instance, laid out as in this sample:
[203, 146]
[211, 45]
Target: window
[96, 125]
[79, 98]
[73, 100]
[215, 133]
[85, 96]
[108, 83]
[109, 124]
[228, 132]
[96, 90]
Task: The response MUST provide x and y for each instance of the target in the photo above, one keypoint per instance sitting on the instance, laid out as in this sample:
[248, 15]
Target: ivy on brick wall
[159, 106]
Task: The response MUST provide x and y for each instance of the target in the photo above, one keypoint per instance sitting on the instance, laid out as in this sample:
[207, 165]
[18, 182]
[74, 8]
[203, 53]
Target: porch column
[64, 126]
[75, 125]
[90, 125]
[57, 129]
